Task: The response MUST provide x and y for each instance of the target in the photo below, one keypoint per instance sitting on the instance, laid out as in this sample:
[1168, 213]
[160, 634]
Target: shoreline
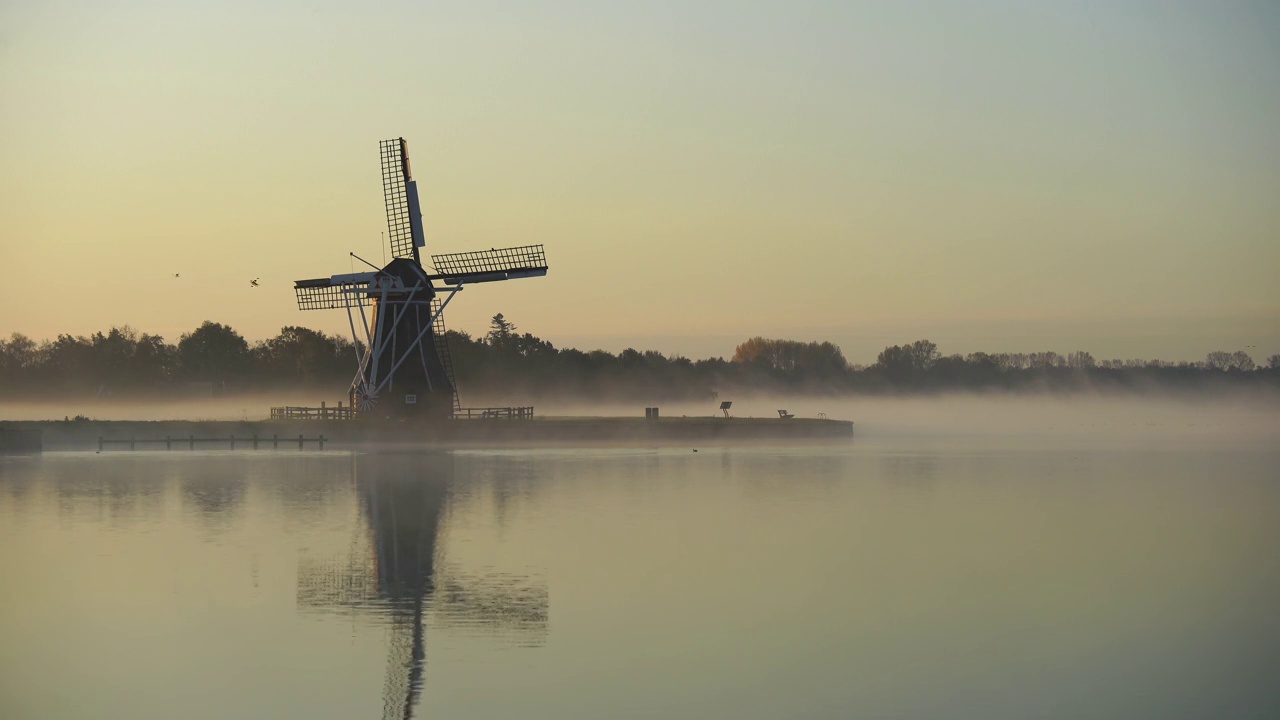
[346, 434]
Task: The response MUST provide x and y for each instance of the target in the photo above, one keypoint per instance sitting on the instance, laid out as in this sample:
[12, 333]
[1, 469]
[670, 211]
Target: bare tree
[1080, 360]
[1225, 361]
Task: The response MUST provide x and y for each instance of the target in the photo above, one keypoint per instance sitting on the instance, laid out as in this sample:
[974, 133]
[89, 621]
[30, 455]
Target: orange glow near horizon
[1041, 177]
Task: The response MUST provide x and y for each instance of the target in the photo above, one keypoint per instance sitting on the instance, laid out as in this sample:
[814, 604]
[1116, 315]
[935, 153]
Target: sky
[993, 176]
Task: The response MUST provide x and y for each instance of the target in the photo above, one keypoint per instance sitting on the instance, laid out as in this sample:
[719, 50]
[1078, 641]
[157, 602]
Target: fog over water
[962, 417]
[1026, 418]
[962, 556]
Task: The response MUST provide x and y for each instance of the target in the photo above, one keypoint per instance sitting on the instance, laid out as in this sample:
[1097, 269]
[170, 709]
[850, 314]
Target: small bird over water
[253, 282]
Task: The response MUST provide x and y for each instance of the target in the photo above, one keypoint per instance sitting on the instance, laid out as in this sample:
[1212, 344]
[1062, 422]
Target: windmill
[403, 365]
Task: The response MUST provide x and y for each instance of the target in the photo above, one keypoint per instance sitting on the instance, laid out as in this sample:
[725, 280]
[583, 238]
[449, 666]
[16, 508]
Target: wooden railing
[190, 441]
[310, 413]
[494, 413]
[345, 413]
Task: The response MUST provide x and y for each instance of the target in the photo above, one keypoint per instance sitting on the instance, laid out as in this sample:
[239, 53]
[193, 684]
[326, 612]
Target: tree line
[215, 359]
[211, 358]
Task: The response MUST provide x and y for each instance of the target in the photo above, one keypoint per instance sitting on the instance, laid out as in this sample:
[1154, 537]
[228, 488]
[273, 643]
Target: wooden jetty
[480, 431]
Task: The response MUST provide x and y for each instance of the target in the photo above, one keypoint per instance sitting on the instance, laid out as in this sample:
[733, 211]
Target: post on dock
[132, 442]
[321, 441]
[193, 442]
[324, 412]
[255, 441]
[233, 441]
[299, 441]
[275, 442]
[99, 443]
[168, 443]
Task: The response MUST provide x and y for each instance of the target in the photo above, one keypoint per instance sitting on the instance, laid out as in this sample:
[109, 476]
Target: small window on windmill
[410, 399]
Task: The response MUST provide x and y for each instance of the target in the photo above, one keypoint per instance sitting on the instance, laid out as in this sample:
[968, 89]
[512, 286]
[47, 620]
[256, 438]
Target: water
[887, 578]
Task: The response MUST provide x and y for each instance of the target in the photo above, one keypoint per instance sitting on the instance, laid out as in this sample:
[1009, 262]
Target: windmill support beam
[416, 341]
[360, 356]
[381, 346]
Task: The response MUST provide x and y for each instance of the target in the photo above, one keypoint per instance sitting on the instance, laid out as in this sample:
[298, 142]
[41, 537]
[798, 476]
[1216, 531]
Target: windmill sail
[400, 195]
[490, 265]
[333, 293]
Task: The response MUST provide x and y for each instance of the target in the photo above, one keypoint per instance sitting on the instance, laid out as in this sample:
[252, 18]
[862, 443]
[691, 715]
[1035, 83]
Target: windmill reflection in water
[393, 572]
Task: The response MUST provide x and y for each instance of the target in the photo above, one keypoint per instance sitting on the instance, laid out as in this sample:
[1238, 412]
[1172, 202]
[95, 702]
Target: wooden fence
[190, 442]
[312, 413]
[494, 413]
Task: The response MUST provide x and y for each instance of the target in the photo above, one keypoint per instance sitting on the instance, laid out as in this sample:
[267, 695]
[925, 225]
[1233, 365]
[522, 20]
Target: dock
[501, 432]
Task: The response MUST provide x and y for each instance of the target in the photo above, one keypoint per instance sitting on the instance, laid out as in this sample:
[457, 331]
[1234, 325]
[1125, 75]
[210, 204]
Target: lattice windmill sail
[405, 369]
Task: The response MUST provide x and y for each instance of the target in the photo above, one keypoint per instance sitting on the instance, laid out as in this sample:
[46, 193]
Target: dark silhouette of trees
[1238, 361]
[213, 352]
[813, 359]
[502, 334]
[1081, 360]
[522, 367]
[19, 360]
[907, 364]
[305, 355]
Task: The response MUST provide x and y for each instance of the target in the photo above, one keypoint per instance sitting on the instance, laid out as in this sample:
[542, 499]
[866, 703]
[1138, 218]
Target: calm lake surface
[884, 578]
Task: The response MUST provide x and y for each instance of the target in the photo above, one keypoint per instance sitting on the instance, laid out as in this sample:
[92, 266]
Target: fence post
[99, 443]
[255, 441]
[168, 443]
[321, 441]
[275, 442]
[233, 441]
[193, 441]
[299, 441]
[132, 441]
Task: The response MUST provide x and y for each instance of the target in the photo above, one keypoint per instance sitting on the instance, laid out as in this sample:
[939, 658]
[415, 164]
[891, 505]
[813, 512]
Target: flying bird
[175, 274]
[253, 282]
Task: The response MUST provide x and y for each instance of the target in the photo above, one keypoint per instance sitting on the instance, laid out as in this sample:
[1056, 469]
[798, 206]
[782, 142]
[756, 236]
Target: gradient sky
[991, 175]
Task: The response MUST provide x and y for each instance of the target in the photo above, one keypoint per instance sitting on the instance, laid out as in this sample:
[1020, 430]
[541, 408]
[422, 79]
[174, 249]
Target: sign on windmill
[396, 313]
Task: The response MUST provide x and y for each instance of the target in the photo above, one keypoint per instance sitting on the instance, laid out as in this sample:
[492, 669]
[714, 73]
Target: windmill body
[396, 312]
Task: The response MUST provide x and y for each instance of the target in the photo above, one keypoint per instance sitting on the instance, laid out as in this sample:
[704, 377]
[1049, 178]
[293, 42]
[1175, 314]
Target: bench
[785, 415]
